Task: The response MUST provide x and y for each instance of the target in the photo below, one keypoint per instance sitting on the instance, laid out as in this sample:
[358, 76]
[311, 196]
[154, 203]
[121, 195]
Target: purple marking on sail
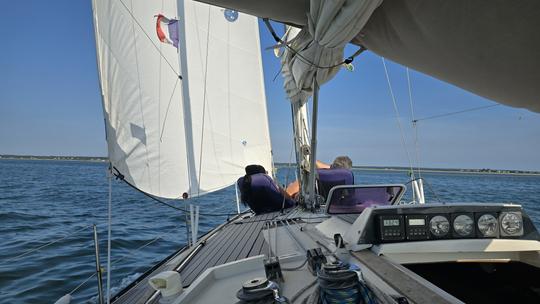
[173, 32]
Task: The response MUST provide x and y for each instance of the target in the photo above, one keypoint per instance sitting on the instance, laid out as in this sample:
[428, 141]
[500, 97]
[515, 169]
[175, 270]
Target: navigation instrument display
[391, 223]
[417, 222]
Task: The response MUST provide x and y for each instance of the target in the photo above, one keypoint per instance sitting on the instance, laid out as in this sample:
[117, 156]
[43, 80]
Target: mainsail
[187, 119]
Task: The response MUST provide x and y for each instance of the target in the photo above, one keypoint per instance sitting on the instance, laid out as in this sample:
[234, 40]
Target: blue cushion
[328, 178]
[264, 195]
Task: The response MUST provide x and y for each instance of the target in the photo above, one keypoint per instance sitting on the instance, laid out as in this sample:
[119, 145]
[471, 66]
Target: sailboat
[185, 113]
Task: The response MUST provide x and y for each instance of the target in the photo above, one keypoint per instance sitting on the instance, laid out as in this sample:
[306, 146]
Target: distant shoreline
[443, 170]
[454, 171]
[55, 158]
[366, 168]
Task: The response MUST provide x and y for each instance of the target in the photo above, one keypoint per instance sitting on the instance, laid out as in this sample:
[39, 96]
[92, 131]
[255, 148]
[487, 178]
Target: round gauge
[511, 223]
[439, 226]
[488, 225]
[463, 225]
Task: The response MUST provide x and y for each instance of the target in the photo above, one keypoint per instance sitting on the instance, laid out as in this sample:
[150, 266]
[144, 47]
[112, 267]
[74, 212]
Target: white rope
[397, 115]
[109, 224]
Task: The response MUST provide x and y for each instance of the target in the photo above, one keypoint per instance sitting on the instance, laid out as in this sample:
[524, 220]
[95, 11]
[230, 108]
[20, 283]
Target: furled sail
[487, 47]
[316, 52]
[183, 101]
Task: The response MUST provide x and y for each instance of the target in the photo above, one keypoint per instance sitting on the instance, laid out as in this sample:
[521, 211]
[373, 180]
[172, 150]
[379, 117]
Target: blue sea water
[44, 201]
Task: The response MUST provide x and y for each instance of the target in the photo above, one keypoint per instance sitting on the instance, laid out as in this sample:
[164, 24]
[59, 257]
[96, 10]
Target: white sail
[226, 95]
[154, 120]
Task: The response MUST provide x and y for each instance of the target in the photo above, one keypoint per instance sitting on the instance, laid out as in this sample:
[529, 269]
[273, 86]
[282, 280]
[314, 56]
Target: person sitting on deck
[261, 193]
[339, 173]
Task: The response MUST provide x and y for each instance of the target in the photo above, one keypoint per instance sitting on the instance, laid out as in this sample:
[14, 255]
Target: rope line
[81, 284]
[204, 103]
[139, 89]
[130, 253]
[167, 112]
[280, 42]
[109, 237]
[46, 245]
[457, 112]
[120, 176]
[403, 143]
[433, 191]
[150, 39]
[414, 125]
[295, 267]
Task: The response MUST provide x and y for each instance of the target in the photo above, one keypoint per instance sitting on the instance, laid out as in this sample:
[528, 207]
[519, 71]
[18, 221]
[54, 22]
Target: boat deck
[286, 236]
[237, 241]
[240, 238]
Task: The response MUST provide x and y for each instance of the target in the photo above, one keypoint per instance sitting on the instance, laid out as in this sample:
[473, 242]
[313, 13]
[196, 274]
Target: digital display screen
[389, 223]
[417, 222]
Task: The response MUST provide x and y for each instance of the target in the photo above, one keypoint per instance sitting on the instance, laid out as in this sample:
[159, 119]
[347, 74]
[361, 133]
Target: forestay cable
[397, 114]
[414, 125]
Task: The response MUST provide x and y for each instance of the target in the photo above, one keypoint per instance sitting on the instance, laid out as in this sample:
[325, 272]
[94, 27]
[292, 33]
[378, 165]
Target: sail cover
[175, 128]
[489, 48]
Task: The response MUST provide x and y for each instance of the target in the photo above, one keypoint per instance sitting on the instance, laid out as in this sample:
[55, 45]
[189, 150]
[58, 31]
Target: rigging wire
[433, 191]
[457, 112]
[285, 44]
[288, 172]
[167, 111]
[414, 125]
[130, 253]
[46, 245]
[204, 103]
[120, 176]
[139, 89]
[396, 111]
[109, 228]
[150, 39]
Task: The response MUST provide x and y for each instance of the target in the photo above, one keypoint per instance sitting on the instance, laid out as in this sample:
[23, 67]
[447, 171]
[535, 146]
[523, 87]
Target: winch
[260, 291]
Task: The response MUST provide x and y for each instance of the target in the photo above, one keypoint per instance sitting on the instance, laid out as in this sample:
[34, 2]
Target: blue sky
[50, 104]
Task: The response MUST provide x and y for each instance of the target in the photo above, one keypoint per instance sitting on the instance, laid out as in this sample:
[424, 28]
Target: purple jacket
[328, 178]
[262, 194]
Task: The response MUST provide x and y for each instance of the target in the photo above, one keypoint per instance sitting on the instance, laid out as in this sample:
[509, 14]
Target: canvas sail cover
[316, 52]
[489, 48]
[153, 112]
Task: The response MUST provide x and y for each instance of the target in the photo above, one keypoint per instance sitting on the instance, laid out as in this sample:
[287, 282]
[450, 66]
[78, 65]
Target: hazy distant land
[374, 168]
[52, 157]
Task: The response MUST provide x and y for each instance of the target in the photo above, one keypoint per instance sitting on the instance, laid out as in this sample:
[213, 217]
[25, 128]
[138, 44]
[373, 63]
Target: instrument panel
[406, 223]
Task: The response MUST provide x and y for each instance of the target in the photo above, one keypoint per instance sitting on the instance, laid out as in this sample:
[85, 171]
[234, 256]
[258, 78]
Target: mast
[301, 143]
[186, 102]
[313, 155]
